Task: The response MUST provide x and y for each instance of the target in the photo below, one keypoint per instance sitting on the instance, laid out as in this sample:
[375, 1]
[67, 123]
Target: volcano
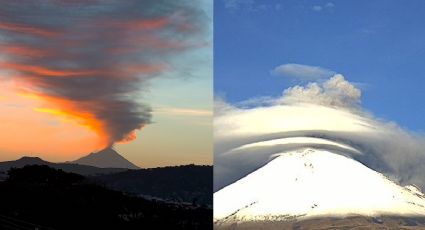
[106, 158]
[316, 184]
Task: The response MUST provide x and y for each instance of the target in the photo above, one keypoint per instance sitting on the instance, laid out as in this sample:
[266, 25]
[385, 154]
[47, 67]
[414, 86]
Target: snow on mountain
[311, 182]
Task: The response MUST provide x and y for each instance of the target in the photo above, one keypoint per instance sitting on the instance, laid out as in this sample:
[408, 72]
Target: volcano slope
[317, 189]
[313, 158]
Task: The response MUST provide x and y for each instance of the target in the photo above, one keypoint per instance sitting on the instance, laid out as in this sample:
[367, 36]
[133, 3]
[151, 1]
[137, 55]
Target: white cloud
[328, 6]
[250, 5]
[238, 4]
[334, 92]
[183, 112]
[302, 72]
[317, 8]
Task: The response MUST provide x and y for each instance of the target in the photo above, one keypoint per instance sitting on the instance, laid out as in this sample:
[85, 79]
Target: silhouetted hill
[107, 158]
[5, 166]
[42, 175]
[38, 196]
[67, 167]
[188, 183]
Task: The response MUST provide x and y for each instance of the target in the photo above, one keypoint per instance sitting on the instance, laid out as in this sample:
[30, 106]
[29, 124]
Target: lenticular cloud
[324, 115]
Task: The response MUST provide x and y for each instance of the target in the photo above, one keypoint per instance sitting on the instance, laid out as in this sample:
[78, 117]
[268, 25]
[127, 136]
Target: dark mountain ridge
[188, 183]
[106, 158]
[67, 167]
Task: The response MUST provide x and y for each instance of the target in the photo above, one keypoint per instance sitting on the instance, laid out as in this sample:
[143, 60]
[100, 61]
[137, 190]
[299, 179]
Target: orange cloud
[118, 71]
[43, 71]
[71, 112]
[144, 24]
[20, 50]
[130, 137]
[24, 131]
[31, 30]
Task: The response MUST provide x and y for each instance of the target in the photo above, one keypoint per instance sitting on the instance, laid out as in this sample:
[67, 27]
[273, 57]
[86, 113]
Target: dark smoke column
[87, 60]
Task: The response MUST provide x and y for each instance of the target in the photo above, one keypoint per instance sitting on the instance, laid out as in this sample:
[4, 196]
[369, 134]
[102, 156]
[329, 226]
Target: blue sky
[377, 44]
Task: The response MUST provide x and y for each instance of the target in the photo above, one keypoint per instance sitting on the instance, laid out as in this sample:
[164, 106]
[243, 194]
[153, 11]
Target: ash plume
[87, 60]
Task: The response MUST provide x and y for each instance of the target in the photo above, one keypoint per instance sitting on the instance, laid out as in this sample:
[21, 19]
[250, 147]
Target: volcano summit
[313, 156]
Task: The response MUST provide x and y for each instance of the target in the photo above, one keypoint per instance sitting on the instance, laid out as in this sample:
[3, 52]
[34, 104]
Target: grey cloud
[94, 56]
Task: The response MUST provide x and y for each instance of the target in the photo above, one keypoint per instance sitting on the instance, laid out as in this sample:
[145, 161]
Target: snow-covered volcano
[314, 154]
[310, 183]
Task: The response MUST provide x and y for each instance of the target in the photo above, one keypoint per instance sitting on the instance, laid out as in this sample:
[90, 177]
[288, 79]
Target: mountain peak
[106, 158]
[311, 183]
[31, 160]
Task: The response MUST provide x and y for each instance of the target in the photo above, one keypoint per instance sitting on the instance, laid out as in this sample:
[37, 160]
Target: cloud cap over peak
[325, 115]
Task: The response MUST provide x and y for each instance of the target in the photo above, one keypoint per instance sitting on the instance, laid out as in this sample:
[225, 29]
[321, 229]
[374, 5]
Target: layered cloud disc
[325, 115]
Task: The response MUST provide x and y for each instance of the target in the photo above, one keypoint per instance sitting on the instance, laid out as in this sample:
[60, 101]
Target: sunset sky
[79, 76]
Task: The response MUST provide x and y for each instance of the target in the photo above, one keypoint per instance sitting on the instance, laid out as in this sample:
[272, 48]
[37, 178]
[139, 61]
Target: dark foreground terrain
[188, 183]
[41, 197]
[355, 222]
